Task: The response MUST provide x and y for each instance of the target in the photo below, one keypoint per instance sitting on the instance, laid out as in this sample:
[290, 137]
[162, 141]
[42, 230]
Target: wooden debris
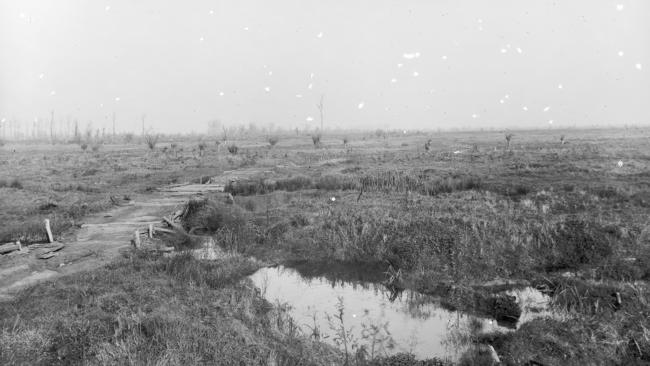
[47, 255]
[9, 247]
[44, 253]
[174, 225]
[136, 239]
[50, 238]
[151, 231]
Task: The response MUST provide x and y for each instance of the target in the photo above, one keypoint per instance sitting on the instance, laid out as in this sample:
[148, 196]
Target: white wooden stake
[150, 231]
[136, 239]
[49, 231]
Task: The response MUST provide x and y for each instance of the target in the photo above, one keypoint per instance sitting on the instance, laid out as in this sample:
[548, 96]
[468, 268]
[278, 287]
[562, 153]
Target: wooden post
[136, 239]
[150, 231]
[50, 238]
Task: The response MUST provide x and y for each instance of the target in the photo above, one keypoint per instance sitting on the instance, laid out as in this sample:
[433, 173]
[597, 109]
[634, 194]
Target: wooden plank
[8, 248]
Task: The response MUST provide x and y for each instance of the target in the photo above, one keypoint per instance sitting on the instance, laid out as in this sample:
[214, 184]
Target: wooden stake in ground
[50, 238]
[150, 231]
[136, 239]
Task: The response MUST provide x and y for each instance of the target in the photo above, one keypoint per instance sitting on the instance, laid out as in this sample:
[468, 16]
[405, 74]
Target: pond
[372, 316]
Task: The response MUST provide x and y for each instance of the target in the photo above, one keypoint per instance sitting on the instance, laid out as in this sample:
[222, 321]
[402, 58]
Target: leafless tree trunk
[320, 109]
[52, 126]
[113, 126]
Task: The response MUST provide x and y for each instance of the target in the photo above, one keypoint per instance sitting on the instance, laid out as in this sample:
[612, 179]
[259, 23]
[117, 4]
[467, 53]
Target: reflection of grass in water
[374, 342]
[342, 336]
[377, 336]
[462, 335]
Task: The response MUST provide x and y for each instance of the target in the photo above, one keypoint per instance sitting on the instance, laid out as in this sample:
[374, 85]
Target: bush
[15, 183]
[213, 215]
[577, 242]
[273, 140]
[233, 149]
[294, 183]
[334, 182]
[151, 141]
[83, 146]
[250, 187]
[316, 140]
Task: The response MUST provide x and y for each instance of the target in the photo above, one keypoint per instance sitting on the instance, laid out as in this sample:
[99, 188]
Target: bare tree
[320, 107]
[508, 138]
[151, 140]
[52, 126]
[113, 126]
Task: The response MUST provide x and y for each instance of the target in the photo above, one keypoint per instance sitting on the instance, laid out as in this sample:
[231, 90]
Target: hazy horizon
[388, 64]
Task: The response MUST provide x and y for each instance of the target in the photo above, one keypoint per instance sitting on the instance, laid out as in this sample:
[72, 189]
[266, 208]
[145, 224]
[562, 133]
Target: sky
[378, 64]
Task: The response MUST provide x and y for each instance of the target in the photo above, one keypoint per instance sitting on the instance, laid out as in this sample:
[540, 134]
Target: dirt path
[101, 237]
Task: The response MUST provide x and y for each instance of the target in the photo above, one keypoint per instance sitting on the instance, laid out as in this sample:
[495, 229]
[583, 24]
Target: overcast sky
[397, 64]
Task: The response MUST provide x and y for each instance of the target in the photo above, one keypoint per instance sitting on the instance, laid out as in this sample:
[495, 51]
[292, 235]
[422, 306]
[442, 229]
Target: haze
[379, 64]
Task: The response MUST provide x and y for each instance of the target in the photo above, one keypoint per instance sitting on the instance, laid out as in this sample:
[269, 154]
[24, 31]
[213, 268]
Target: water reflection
[365, 314]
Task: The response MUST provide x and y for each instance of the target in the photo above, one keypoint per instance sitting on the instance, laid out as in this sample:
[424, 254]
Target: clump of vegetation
[233, 149]
[151, 140]
[213, 215]
[295, 183]
[508, 138]
[345, 141]
[14, 183]
[427, 145]
[335, 182]
[273, 140]
[151, 309]
[316, 140]
[202, 147]
[83, 146]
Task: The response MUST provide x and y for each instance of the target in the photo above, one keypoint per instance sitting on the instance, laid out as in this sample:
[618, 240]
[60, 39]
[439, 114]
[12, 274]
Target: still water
[372, 316]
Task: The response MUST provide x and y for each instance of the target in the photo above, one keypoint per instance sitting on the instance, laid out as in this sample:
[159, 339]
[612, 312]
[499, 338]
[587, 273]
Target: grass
[562, 217]
[150, 310]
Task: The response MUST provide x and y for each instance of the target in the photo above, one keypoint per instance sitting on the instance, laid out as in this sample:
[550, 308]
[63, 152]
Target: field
[463, 219]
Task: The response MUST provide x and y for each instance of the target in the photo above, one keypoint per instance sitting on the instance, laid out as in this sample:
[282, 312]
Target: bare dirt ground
[98, 240]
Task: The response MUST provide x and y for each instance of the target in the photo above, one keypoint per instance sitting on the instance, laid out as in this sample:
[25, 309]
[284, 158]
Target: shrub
[316, 140]
[128, 138]
[576, 242]
[95, 147]
[233, 149]
[345, 141]
[213, 216]
[273, 140]
[294, 183]
[250, 187]
[518, 190]
[15, 183]
[83, 146]
[151, 140]
[248, 204]
[335, 182]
